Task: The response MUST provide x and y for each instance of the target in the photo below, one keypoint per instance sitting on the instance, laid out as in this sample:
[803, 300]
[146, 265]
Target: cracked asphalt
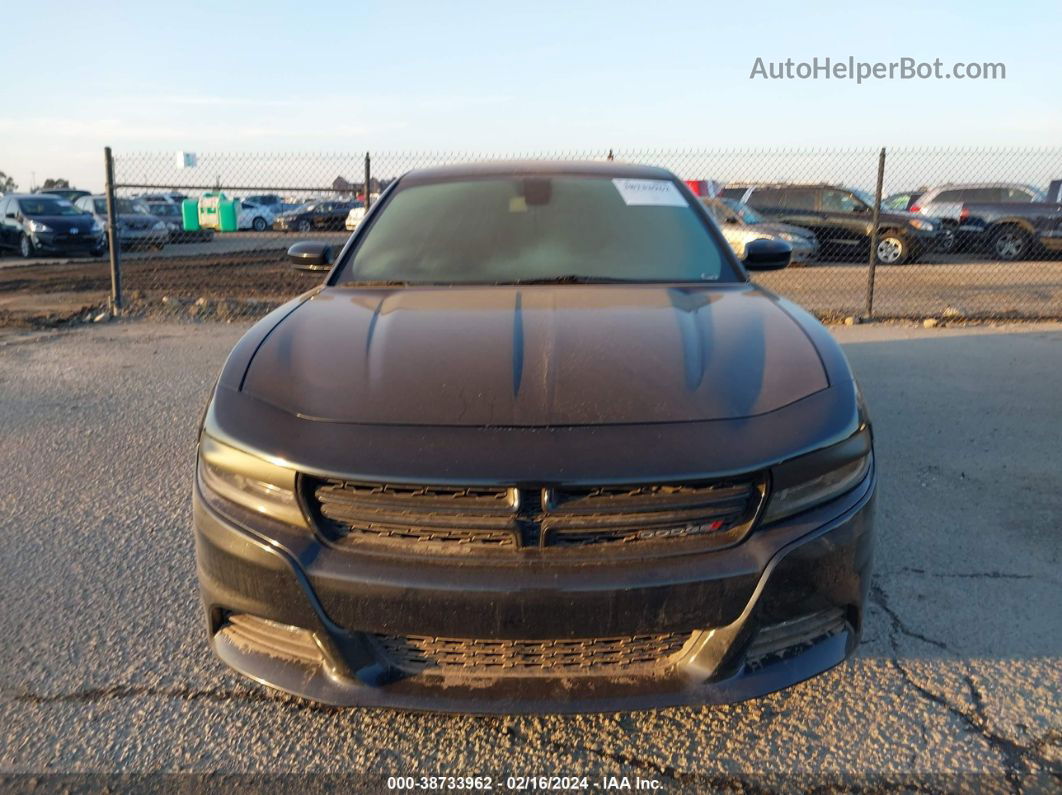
[104, 667]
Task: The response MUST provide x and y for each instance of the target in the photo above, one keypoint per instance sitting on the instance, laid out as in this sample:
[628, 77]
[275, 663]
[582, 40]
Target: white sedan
[254, 216]
[354, 217]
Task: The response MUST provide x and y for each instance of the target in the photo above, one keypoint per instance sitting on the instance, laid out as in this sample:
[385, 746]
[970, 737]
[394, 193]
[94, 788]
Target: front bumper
[59, 243]
[727, 601]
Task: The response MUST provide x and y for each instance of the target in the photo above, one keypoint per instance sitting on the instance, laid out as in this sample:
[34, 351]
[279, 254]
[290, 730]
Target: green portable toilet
[215, 211]
[228, 215]
[190, 215]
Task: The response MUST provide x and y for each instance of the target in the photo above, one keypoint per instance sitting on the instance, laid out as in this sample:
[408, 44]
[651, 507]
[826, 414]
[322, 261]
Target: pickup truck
[1011, 231]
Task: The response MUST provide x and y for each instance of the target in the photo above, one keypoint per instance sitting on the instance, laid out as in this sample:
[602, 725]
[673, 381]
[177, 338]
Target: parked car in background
[254, 216]
[70, 194]
[945, 232]
[901, 202]
[355, 216]
[154, 198]
[840, 220]
[1014, 230]
[324, 214]
[740, 225]
[270, 201]
[136, 226]
[39, 223]
[945, 202]
[170, 213]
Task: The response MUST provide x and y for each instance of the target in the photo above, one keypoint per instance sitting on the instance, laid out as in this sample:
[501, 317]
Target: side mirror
[767, 255]
[311, 256]
[13, 216]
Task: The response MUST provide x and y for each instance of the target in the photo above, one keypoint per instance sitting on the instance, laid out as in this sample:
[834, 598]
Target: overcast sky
[347, 76]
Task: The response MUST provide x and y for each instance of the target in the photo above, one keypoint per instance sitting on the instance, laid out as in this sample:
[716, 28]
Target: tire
[949, 239]
[25, 246]
[259, 224]
[892, 249]
[303, 226]
[1010, 243]
[97, 252]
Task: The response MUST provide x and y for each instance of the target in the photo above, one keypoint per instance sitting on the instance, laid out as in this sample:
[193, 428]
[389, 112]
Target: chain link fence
[991, 227]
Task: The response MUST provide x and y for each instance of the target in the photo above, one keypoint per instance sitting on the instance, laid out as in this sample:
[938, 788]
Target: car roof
[504, 168]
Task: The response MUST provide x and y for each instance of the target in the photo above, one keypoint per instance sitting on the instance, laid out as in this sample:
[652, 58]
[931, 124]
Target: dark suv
[841, 221]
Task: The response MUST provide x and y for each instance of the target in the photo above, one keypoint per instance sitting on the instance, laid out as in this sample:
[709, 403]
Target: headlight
[159, 226]
[925, 226]
[37, 226]
[96, 227]
[788, 237]
[251, 482]
[819, 477]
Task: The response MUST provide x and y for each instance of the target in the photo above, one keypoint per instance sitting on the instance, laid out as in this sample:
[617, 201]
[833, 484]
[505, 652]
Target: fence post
[368, 176]
[872, 264]
[112, 234]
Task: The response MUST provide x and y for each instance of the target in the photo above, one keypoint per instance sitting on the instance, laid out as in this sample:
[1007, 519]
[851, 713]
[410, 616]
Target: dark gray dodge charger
[536, 444]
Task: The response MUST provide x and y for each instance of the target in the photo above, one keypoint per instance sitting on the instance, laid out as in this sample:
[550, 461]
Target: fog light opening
[788, 638]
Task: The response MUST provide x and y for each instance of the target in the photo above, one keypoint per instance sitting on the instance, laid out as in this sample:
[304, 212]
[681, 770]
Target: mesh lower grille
[638, 654]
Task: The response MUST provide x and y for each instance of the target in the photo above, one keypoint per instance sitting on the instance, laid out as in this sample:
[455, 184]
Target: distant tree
[54, 183]
[7, 184]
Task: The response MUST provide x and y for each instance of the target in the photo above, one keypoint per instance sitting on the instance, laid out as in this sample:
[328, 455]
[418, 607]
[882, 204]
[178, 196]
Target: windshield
[510, 229]
[131, 207]
[744, 212]
[868, 199]
[47, 205]
[164, 210]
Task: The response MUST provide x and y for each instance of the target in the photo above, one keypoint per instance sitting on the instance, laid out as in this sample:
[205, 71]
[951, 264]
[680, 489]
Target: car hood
[535, 356]
[63, 222]
[779, 228]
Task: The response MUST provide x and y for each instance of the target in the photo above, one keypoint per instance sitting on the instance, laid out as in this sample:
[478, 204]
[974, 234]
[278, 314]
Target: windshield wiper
[568, 278]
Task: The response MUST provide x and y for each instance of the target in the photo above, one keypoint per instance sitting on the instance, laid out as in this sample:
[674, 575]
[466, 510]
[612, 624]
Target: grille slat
[465, 519]
[493, 658]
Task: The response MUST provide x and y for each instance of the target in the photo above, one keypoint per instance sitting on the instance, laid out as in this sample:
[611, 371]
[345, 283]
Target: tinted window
[800, 199]
[733, 193]
[983, 194]
[950, 196]
[1017, 195]
[840, 201]
[767, 197]
[503, 229]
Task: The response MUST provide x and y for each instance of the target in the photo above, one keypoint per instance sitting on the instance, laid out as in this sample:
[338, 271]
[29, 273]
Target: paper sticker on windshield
[652, 192]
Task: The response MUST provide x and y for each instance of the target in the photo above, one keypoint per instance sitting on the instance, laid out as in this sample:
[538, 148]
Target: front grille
[263, 636]
[637, 654]
[485, 519]
[646, 514]
[418, 515]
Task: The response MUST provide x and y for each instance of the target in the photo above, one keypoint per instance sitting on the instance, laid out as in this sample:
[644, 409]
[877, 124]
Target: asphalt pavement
[105, 668]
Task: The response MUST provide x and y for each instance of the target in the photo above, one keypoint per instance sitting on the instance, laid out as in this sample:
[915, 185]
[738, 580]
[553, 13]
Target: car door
[845, 220]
